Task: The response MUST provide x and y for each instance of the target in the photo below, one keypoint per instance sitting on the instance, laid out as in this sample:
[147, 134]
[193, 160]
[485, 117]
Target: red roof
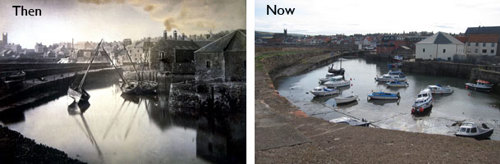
[484, 38]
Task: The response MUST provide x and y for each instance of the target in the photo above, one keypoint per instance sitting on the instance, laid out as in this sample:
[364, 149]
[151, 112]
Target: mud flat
[285, 134]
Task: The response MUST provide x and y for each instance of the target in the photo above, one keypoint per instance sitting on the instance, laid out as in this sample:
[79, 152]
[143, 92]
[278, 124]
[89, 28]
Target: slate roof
[441, 38]
[234, 41]
[483, 30]
[484, 38]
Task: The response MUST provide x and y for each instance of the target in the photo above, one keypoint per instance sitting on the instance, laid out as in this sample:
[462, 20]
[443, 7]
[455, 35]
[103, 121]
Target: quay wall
[35, 70]
[471, 72]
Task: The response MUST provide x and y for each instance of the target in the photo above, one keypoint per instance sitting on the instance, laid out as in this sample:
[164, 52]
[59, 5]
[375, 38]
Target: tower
[165, 34]
[175, 35]
[4, 39]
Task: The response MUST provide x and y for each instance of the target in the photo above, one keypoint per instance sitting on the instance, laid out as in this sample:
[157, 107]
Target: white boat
[397, 84]
[75, 90]
[346, 99]
[384, 96]
[350, 121]
[423, 103]
[480, 85]
[327, 77]
[337, 81]
[391, 76]
[324, 91]
[438, 89]
[470, 129]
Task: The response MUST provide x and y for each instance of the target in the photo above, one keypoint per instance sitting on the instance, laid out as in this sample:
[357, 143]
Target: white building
[441, 46]
[482, 44]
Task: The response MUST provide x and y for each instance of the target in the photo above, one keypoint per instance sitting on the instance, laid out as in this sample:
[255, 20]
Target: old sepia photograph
[123, 81]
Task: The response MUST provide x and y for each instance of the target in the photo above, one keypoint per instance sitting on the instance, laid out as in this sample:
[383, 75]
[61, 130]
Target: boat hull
[480, 89]
[485, 135]
[423, 112]
[77, 95]
[345, 100]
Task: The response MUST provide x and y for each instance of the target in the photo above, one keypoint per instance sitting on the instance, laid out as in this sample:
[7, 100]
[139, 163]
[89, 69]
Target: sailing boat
[339, 71]
[76, 91]
[141, 86]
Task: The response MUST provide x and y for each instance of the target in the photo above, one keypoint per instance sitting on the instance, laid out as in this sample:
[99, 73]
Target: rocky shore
[285, 134]
[15, 148]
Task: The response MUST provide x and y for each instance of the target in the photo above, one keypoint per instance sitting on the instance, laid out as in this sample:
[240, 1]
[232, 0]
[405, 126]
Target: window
[492, 44]
[477, 44]
[475, 51]
[468, 43]
[162, 54]
[474, 130]
[423, 50]
[468, 130]
[492, 51]
[484, 51]
[209, 64]
[444, 50]
[484, 44]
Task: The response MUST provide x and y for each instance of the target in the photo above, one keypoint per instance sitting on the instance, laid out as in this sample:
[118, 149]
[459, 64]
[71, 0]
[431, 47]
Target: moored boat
[438, 89]
[397, 84]
[480, 85]
[350, 121]
[423, 103]
[324, 91]
[346, 99]
[391, 76]
[470, 129]
[384, 96]
[337, 81]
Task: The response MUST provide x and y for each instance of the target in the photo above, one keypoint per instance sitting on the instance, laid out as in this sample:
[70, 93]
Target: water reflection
[116, 128]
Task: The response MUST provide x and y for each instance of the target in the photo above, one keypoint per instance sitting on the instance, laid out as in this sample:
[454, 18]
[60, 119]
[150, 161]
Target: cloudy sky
[372, 16]
[91, 20]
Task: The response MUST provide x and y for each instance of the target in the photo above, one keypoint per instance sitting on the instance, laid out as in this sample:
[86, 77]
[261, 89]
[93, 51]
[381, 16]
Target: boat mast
[112, 63]
[133, 65]
[88, 68]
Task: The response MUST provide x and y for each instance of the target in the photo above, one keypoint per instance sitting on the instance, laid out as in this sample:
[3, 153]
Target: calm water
[115, 129]
[459, 106]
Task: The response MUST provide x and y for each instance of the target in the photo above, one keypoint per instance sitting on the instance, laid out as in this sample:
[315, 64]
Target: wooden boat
[15, 77]
[350, 121]
[346, 99]
[324, 91]
[470, 129]
[76, 91]
[337, 81]
[339, 71]
[423, 103]
[140, 86]
[438, 89]
[384, 96]
[397, 84]
[480, 85]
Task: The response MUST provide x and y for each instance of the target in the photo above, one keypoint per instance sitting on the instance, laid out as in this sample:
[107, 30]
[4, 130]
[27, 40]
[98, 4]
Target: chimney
[175, 35]
[165, 34]
[183, 36]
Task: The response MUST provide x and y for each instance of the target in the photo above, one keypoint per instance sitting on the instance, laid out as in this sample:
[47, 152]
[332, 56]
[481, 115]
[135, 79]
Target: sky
[348, 17]
[115, 20]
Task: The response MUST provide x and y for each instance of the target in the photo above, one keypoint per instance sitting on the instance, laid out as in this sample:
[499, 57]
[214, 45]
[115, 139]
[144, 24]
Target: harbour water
[448, 109]
[113, 128]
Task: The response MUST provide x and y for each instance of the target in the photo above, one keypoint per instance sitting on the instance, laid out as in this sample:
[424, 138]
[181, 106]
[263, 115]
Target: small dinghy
[350, 121]
[324, 91]
[327, 77]
[423, 103]
[384, 96]
[470, 129]
[438, 89]
[337, 81]
[397, 84]
[346, 99]
[480, 85]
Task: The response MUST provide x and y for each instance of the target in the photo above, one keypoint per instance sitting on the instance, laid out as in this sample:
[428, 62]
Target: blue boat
[384, 96]
[397, 84]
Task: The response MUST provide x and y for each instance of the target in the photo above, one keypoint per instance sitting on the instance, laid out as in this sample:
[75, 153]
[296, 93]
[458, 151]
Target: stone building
[483, 41]
[173, 55]
[222, 60]
[440, 46]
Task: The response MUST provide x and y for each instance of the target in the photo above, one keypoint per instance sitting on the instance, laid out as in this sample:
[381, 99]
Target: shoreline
[285, 134]
[15, 148]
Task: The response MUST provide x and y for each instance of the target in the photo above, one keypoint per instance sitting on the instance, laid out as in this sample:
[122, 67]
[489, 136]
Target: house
[440, 46]
[389, 43]
[174, 56]
[222, 60]
[483, 41]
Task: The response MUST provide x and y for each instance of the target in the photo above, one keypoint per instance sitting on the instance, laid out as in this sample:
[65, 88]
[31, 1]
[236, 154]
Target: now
[280, 11]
